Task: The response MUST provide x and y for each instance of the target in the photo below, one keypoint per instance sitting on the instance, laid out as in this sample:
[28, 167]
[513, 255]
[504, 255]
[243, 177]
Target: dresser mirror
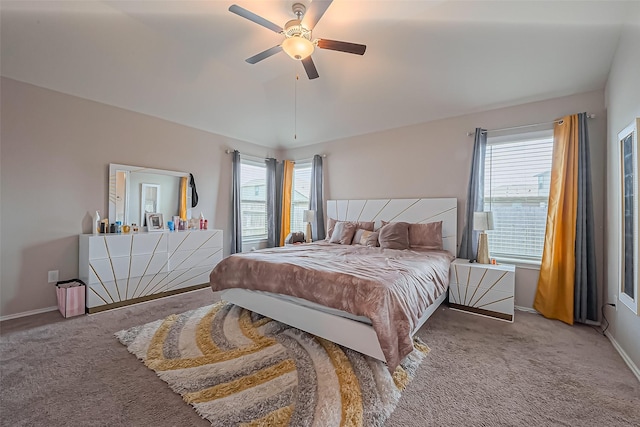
[133, 190]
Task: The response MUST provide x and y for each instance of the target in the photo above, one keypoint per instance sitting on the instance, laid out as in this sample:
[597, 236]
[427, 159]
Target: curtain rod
[589, 116]
[310, 159]
[260, 158]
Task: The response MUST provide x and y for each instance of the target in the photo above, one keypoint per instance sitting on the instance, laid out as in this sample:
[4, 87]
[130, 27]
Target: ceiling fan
[297, 42]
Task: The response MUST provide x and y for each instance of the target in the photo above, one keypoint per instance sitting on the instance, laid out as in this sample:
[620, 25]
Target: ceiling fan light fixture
[298, 47]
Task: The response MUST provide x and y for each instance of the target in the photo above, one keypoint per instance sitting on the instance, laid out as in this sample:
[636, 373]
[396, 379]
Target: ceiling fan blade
[240, 11]
[310, 68]
[357, 49]
[315, 12]
[264, 55]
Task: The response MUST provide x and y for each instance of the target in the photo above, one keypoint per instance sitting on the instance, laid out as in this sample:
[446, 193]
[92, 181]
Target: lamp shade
[308, 216]
[483, 221]
[297, 47]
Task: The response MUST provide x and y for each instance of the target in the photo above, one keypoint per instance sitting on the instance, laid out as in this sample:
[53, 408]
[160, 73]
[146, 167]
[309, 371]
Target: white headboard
[407, 210]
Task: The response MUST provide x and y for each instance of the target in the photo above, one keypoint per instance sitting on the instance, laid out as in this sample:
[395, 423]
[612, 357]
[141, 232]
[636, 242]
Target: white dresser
[483, 289]
[121, 269]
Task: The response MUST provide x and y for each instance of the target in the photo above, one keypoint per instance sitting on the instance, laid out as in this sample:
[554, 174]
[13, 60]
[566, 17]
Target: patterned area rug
[236, 367]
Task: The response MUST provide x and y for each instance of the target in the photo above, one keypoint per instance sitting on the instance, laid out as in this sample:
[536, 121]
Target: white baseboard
[624, 355]
[28, 313]
[527, 309]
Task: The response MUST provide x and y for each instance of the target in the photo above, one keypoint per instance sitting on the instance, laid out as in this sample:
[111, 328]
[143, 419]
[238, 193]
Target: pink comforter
[391, 287]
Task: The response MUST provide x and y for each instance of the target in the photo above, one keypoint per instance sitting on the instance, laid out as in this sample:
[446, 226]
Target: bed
[313, 286]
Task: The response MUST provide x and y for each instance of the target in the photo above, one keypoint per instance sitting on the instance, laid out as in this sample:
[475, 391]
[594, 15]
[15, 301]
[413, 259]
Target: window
[516, 189]
[301, 193]
[253, 199]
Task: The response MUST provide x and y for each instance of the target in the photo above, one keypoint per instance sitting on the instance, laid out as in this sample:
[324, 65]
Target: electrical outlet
[52, 276]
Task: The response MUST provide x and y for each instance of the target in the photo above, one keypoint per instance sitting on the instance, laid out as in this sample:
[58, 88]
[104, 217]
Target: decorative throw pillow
[372, 239]
[394, 235]
[343, 233]
[365, 225]
[426, 236]
[360, 238]
[331, 223]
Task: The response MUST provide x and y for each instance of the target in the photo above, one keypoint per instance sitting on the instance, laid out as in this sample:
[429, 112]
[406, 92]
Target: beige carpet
[480, 372]
[238, 368]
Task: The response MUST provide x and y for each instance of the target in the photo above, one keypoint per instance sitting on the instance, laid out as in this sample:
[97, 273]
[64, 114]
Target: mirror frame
[115, 167]
[631, 301]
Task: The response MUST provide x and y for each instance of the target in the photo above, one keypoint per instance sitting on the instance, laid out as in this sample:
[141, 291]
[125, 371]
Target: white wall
[623, 106]
[433, 160]
[55, 157]
[56, 150]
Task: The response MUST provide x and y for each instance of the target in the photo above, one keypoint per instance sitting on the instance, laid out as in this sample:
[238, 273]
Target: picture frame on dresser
[155, 221]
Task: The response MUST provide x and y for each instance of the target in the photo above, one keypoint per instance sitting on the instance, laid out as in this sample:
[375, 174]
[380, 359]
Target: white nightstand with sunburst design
[483, 289]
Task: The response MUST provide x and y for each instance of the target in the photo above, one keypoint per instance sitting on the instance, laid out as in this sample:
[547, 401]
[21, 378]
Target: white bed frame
[356, 335]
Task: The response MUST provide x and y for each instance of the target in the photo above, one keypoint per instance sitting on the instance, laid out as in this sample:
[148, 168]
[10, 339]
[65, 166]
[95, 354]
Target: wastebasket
[71, 297]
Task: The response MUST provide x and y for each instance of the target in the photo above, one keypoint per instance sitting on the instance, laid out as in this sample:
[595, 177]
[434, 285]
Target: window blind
[517, 178]
[300, 196]
[253, 199]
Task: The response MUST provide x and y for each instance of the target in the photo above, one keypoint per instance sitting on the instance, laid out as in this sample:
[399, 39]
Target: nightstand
[483, 289]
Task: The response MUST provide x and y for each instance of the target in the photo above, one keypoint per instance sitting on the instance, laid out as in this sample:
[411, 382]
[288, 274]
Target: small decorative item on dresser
[155, 221]
[96, 223]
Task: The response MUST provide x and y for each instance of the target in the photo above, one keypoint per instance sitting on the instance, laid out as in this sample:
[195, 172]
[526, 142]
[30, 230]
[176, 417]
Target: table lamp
[483, 221]
[308, 217]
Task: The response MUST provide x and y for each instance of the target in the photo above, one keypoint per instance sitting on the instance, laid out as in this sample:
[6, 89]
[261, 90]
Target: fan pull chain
[295, 109]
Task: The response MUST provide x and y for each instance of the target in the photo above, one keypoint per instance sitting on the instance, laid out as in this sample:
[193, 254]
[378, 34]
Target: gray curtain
[316, 202]
[585, 295]
[475, 197]
[274, 202]
[236, 231]
[277, 226]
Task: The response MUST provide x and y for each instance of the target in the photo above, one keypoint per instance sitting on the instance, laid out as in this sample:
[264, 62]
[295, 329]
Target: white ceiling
[183, 61]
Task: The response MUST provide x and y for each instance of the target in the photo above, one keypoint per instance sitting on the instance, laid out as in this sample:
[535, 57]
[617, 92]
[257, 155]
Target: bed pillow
[360, 238]
[343, 233]
[426, 236]
[331, 223]
[372, 240]
[394, 235]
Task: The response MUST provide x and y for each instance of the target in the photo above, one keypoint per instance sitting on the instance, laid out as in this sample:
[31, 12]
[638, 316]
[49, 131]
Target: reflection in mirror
[150, 201]
[128, 201]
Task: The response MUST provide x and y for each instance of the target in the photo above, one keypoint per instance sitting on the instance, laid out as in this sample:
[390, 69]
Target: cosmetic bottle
[201, 221]
[206, 224]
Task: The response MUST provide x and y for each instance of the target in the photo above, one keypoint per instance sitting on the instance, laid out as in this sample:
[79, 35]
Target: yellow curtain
[554, 297]
[183, 198]
[287, 181]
